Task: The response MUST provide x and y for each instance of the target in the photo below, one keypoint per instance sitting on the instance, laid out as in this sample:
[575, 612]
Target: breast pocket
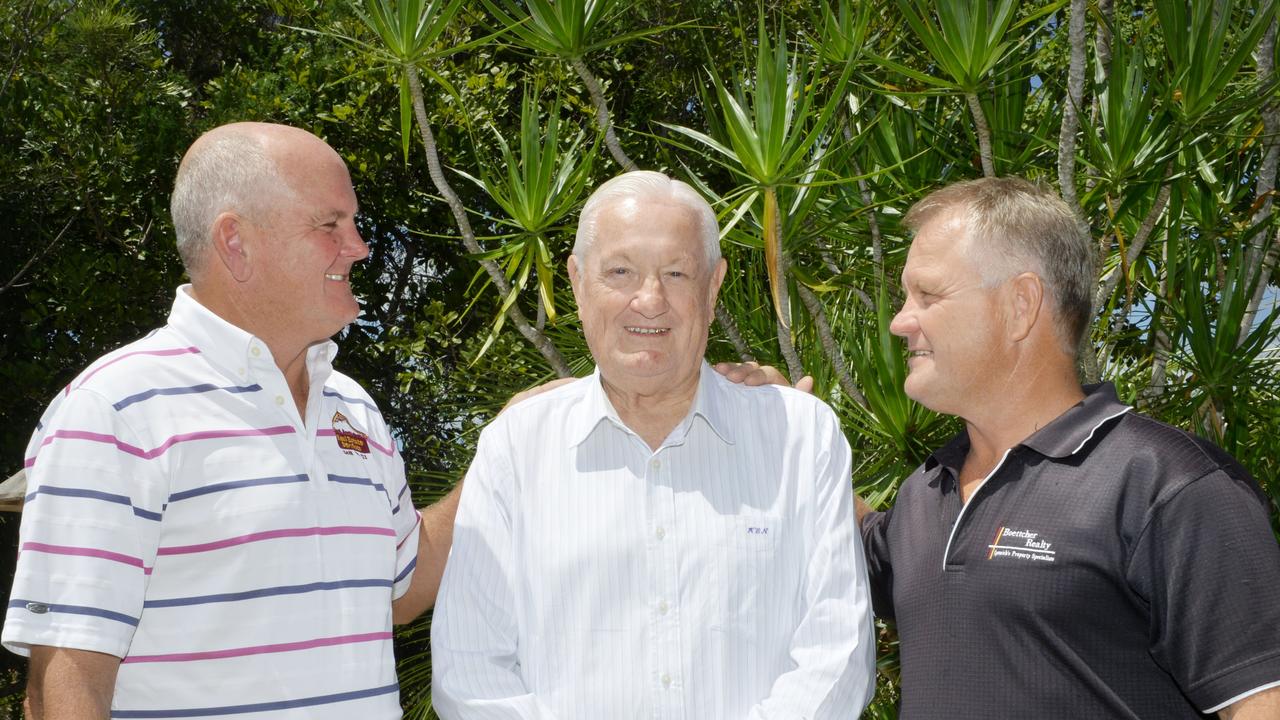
[747, 569]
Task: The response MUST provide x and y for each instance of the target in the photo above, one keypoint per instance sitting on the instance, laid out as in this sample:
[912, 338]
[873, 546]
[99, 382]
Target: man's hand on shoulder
[752, 374]
[531, 392]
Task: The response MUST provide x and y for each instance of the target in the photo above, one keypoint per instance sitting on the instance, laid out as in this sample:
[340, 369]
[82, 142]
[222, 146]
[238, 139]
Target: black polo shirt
[1110, 567]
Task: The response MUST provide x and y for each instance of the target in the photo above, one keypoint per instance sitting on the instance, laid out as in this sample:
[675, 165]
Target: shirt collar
[229, 348]
[1065, 436]
[708, 404]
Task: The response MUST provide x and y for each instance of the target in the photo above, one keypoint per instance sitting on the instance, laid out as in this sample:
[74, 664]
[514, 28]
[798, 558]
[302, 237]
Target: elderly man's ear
[1026, 296]
[753, 373]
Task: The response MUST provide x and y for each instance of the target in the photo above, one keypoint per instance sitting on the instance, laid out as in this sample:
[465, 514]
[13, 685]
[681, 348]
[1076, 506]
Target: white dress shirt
[718, 577]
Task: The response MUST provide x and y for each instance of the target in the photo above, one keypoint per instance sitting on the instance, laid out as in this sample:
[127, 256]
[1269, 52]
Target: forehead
[941, 246]
[647, 227]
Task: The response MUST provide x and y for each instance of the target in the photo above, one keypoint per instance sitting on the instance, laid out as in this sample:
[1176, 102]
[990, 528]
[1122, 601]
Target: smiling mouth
[648, 331]
[919, 353]
[335, 277]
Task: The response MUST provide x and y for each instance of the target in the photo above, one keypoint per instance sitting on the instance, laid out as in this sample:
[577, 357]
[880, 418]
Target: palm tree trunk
[984, 135]
[1260, 260]
[730, 328]
[778, 266]
[603, 121]
[829, 347]
[1071, 106]
[1102, 56]
[1160, 356]
[539, 340]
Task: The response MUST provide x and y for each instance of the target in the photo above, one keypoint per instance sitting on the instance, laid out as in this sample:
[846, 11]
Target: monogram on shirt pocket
[752, 533]
[746, 558]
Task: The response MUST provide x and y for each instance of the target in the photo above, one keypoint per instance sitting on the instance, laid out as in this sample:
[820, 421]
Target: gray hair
[222, 171]
[647, 184]
[1017, 226]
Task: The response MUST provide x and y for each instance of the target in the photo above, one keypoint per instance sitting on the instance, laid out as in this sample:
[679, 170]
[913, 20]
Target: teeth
[335, 277]
[646, 331]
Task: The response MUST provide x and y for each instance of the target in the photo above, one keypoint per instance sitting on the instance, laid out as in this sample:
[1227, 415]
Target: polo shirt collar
[229, 348]
[1065, 436]
[709, 405]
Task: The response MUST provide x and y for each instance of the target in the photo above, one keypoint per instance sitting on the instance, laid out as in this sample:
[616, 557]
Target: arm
[475, 650]
[68, 684]
[752, 374]
[435, 536]
[1260, 706]
[833, 646]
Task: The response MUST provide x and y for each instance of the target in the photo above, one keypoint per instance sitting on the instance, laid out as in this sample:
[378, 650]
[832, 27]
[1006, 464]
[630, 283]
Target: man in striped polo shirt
[218, 523]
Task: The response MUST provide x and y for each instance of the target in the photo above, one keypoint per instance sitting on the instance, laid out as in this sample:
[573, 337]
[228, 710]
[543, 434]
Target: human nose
[355, 247]
[650, 299]
[904, 322]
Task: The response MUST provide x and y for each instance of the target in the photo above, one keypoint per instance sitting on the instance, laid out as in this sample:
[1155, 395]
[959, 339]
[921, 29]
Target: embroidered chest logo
[1021, 545]
[349, 438]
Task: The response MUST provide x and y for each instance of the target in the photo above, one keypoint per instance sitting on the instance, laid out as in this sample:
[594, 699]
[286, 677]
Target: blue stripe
[400, 499]
[351, 401]
[358, 481]
[79, 610]
[193, 389]
[259, 707]
[407, 569]
[92, 495]
[234, 484]
[267, 592]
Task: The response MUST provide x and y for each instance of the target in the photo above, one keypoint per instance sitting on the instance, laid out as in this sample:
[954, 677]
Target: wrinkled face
[646, 296]
[311, 243]
[950, 322]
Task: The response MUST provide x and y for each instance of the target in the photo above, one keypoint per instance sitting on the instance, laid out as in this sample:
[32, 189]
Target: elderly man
[1064, 556]
[652, 541]
[218, 523]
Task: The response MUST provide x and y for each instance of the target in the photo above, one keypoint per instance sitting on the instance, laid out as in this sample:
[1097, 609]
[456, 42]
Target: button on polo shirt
[1110, 566]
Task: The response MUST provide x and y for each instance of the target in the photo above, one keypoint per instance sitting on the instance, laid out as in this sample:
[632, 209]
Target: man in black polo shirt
[1064, 556]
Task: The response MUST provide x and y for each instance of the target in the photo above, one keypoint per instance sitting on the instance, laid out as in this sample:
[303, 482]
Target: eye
[619, 271]
[676, 274]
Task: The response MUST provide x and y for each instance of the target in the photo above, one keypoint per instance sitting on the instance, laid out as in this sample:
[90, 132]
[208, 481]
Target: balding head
[245, 168]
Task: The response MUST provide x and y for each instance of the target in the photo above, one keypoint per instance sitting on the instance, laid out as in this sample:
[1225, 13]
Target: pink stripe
[272, 534]
[416, 522]
[384, 450]
[86, 552]
[114, 360]
[164, 446]
[260, 649]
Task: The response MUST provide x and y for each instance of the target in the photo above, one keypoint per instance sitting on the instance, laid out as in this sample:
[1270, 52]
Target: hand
[752, 374]
[526, 394]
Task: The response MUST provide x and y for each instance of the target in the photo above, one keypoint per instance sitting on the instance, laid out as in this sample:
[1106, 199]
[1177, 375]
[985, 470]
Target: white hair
[641, 185]
[222, 171]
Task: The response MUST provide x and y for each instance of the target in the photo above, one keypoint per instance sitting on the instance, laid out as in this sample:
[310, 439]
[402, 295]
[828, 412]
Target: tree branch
[1071, 106]
[731, 331]
[1136, 244]
[1261, 260]
[539, 340]
[603, 121]
[984, 135]
[828, 343]
[40, 255]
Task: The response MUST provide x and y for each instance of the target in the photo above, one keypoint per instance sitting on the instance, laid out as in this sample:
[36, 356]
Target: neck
[289, 354]
[652, 413]
[1035, 401]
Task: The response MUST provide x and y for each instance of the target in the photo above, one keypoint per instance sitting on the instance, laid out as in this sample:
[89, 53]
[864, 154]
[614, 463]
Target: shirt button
[663, 607]
[256, 352]
[660, 533]
[241, 371]
[666, 680]
[279, 399]
[655, 464]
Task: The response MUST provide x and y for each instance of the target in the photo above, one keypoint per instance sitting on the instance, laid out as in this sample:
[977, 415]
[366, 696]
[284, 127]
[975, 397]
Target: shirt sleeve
[875, 543]
[474, 635]
[833, 646]
[405, 520]
[1209, 566]
[89, 532]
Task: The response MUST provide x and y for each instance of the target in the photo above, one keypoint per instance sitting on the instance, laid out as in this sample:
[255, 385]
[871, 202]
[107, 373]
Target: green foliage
[811, 127]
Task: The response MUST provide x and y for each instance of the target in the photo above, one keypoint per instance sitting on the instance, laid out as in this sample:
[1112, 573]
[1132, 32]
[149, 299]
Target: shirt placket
[664, 612]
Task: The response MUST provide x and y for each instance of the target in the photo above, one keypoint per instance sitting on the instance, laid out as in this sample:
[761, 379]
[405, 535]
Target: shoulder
[777, 398]
[532, 412]
[1161, 453]
[138, 365]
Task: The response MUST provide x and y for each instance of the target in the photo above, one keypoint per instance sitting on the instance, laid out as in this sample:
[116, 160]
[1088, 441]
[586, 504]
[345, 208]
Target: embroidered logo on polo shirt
[349, 438]
[1020, 544]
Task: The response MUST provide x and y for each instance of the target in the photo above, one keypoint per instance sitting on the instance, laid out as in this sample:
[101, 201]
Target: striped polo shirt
[241, 560]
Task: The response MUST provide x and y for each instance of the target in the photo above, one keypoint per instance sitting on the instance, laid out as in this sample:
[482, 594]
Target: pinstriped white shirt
[718, 577]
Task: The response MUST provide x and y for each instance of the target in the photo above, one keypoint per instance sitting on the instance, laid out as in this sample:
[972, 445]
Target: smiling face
[951, 323]
[646, 296]
[310, 243]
